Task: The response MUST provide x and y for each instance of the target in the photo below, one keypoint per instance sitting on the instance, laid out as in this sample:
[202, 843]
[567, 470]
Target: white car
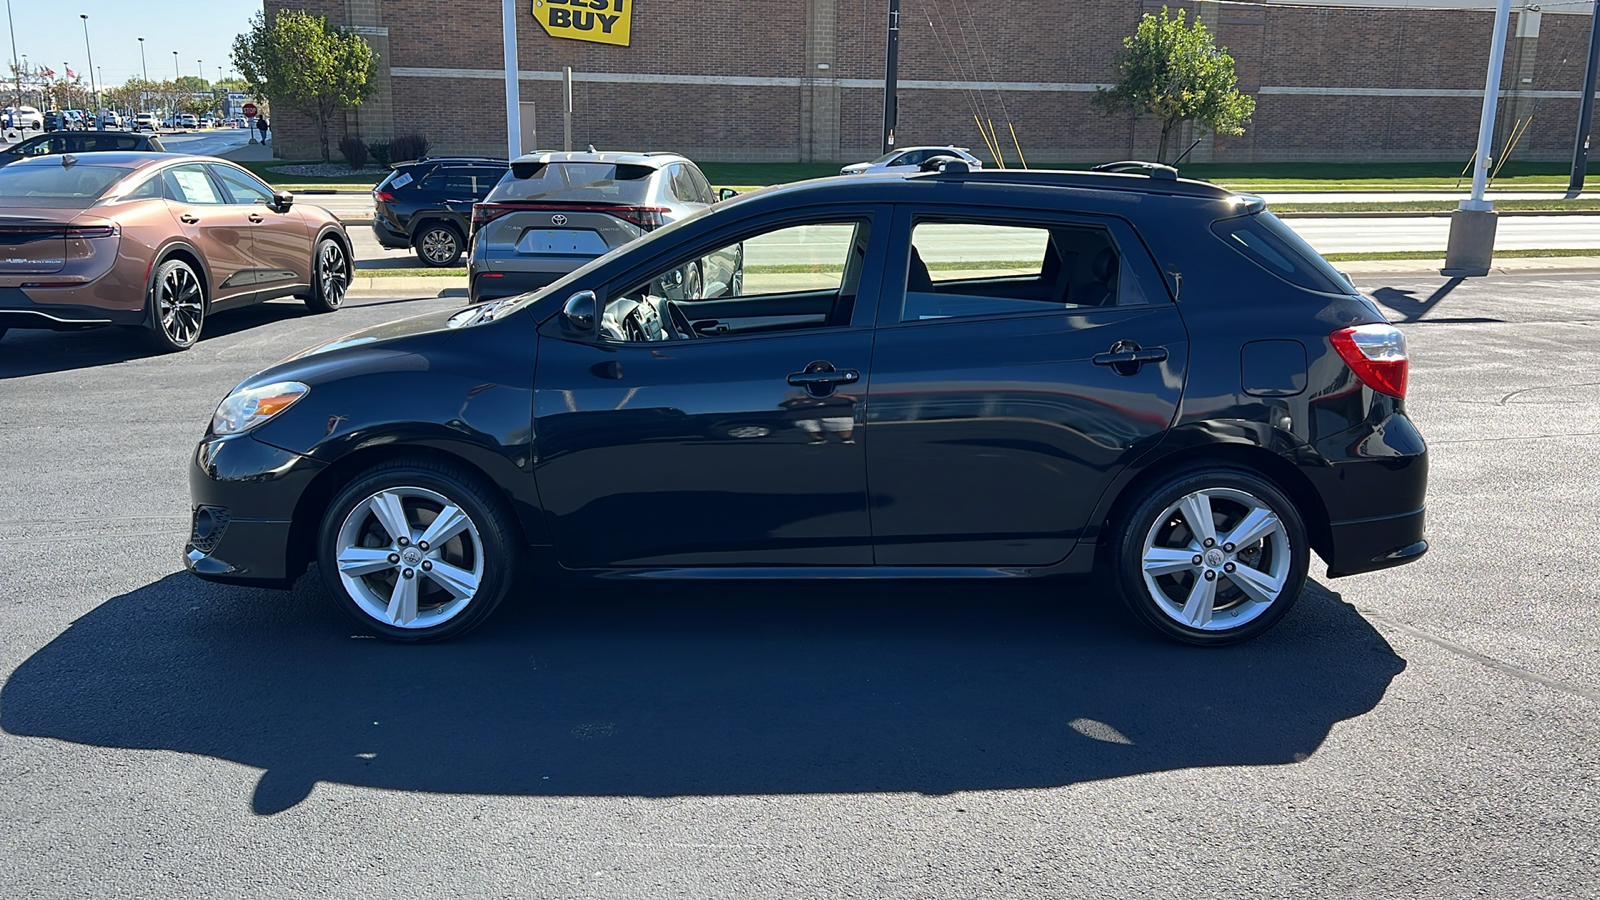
[25, 117]
[188, 120]
[909, 159]
[146, 122]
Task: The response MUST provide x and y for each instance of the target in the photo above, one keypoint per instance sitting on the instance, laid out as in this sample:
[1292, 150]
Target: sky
[50, 32]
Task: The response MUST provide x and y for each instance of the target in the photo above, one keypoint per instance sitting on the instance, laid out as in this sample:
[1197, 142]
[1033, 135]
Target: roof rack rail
[460, 156]
[1132, 166]
[1133, 180]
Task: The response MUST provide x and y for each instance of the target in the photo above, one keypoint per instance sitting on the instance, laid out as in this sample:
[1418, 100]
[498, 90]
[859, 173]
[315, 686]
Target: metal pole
[145, 68]
[1491, 97]
[13, 26]
[891, 76]
[1580, 146]
[508, 27]
[566, 108]
[99, 123]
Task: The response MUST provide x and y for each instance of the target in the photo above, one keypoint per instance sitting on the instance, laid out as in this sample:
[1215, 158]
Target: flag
[70, 74]
[48, 73]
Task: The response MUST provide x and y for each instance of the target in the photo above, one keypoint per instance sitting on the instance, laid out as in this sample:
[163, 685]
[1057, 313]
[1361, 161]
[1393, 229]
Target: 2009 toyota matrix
[950, 373]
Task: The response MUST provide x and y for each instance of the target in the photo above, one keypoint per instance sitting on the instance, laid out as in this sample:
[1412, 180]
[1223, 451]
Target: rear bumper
[18, 310]
[388, 237]
[485, 286]
[1366, 545]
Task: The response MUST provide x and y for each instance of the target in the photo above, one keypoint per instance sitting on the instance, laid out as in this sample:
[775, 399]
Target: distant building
[801, 80]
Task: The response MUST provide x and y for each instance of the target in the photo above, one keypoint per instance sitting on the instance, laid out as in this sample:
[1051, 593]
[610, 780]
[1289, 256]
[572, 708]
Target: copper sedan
[157, 242]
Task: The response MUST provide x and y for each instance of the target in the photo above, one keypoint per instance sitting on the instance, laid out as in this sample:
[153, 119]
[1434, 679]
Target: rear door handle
[1137, 357]
[188, 219]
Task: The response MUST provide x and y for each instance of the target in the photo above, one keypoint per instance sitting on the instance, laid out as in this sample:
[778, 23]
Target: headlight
[243, 410]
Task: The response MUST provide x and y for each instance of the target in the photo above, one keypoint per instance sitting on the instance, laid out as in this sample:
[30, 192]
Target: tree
[1176, 73]
[300, 61]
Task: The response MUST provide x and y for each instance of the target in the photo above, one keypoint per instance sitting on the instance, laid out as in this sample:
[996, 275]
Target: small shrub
[408, 147]
[355, 151]
[379, 151]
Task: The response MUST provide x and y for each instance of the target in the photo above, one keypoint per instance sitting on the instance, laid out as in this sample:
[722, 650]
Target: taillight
[1376, 354]
[93, 231]
[484, 213]
[647, 217]
[383, 196]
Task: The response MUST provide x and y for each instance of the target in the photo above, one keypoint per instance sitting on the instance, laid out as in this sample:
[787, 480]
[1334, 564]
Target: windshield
[579, 182]
[886, 157]
[57, 186]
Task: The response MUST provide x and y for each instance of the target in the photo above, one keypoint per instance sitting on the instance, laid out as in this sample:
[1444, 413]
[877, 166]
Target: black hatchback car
[58, 142]
[949, 374]
[427, 205]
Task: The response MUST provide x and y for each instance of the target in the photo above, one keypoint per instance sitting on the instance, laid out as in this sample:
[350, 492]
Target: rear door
[219, 228]
[1022, 361]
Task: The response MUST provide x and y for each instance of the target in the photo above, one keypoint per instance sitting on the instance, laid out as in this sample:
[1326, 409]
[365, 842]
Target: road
[1430, 731]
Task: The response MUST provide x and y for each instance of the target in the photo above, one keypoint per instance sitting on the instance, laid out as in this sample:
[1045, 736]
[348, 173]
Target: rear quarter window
[1263, 239]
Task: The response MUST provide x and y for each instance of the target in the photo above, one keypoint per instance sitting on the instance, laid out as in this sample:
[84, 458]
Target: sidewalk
[257, 152]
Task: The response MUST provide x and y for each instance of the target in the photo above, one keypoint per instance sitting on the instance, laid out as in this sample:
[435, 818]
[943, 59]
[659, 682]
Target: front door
[722, 431]
[281, 241]
[1023, 364]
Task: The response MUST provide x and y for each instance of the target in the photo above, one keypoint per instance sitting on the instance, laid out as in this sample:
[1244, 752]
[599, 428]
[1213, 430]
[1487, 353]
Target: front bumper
[244, 494]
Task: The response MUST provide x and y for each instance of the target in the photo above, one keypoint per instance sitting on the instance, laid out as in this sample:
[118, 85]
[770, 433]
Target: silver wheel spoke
[364, 560]
[461, 583]
[403, 601]
[1261, 586]
[1197, 608]
[1168, 560]
[450, 522]
[1196, 509]
[1257, 524]
[391, 515]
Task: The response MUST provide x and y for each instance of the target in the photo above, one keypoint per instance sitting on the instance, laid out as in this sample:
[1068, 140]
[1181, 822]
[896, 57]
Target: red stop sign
[250, 110]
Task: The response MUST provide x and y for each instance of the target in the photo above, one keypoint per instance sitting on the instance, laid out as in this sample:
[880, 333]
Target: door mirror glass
[727, 194]
[579, 313]
[282, 200]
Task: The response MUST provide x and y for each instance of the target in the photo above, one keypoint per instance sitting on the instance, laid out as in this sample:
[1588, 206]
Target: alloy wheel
[409, 557]
[332, 276]
[180, 306]
[439, 247]
[1216, 559]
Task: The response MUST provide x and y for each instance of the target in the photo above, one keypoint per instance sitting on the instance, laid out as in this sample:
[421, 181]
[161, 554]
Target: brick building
[801, 80]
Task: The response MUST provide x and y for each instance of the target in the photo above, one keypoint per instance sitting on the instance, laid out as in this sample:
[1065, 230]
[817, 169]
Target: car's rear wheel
[1211, 556]
[176, 307]
[439, 245]
[330, 269]
[415, 551]
[694, 283]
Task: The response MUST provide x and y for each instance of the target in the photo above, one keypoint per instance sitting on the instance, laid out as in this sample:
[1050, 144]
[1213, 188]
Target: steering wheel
[678, 324]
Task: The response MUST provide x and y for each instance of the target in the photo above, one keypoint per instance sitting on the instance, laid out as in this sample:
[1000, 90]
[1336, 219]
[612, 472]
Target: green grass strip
[1439, 254]
[1393, 206]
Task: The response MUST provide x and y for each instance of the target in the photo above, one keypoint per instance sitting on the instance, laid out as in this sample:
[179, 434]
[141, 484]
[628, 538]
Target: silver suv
[553, 212]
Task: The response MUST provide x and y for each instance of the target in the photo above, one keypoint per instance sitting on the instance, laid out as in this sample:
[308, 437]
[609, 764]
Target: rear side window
[460, 181]
[583, 181]
[1272, 245]
[61, 187]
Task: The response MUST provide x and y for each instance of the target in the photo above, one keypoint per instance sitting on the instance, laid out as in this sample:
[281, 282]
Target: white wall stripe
[915, 85]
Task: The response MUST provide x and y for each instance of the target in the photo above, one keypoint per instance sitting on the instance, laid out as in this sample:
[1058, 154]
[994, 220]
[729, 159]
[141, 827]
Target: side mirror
[282, 200]
[727, 194]
[580, 313]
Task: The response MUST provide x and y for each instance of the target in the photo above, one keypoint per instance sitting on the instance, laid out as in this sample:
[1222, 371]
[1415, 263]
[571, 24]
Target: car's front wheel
[439, 246]
[176, 307]
[1211, 556]
[330, 271]
[415, 551]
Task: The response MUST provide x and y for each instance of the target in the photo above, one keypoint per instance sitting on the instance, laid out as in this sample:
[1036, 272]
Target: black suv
[427, 205]
[57, 142]
[973, 374]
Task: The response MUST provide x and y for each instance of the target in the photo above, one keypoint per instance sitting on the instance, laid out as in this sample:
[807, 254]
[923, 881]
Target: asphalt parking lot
[1431, 731]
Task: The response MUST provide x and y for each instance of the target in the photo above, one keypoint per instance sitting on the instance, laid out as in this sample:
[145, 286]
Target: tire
[1251, 585]
[452, 587]
[438, 245]
[330, 276]
[176, 307]
[694, 283]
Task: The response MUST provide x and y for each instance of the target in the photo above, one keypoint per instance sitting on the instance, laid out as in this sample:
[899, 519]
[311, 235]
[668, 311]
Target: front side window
[960, 269]
[243, 188]
[788, 278]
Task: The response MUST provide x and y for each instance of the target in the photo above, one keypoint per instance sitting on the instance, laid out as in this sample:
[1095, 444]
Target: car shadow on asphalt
[26, 352]
[591, 688]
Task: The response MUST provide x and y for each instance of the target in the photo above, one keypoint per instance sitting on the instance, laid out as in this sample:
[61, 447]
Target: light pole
[143, 67]
[1470, 248]
[94, 89]
[13, 26]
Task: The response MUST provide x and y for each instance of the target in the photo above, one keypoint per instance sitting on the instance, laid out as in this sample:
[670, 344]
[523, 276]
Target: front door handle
[1126, 357]
[257, 218]
[188, 219]
[838, 376]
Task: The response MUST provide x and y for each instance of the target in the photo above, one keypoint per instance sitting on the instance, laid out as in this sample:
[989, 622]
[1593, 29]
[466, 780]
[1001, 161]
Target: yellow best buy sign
[600, 21]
